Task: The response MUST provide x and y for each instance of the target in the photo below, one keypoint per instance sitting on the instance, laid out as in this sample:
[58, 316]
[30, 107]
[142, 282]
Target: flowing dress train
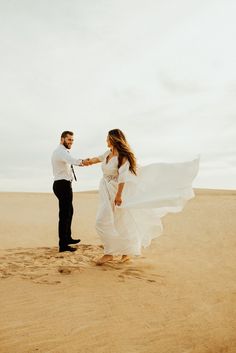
[157, 189]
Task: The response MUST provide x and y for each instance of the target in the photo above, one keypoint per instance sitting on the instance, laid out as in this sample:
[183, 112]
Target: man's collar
[62, 146]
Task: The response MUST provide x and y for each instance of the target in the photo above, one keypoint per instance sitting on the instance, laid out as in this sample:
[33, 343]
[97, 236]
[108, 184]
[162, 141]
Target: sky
[163, 71]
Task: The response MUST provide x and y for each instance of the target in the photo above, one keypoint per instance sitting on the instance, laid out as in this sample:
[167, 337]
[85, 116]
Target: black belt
[68, 181]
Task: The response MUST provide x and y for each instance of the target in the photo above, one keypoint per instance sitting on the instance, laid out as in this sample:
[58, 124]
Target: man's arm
[66, 157]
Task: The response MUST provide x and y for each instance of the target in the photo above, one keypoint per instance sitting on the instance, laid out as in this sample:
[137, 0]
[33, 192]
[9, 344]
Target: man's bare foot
[124, 258]
[104, 259]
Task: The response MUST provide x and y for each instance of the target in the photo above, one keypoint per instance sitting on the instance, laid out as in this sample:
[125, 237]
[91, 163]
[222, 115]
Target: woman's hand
[118, 200]
[86, 162]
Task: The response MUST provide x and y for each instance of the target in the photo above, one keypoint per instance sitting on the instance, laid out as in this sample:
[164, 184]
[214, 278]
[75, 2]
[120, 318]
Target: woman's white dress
[157, 189]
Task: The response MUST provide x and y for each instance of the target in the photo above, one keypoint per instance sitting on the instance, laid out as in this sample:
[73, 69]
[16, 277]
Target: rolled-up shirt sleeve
[66, 157]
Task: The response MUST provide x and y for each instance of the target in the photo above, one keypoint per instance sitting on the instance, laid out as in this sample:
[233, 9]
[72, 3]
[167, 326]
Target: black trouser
[63, 191]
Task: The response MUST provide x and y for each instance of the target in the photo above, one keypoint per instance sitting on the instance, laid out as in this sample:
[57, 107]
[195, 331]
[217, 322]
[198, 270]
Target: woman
[132, 200]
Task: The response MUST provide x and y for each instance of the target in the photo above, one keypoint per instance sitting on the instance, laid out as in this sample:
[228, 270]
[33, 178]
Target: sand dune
[179, 296]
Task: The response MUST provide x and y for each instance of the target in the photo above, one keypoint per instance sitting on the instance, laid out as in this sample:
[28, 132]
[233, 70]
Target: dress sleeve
[103, 156]
[124, 173]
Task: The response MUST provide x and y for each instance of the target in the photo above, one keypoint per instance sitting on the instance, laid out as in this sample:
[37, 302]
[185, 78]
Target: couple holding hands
[132, 199]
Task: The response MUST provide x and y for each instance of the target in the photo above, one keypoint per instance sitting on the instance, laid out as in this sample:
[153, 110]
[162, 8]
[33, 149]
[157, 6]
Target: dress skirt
[157, 189]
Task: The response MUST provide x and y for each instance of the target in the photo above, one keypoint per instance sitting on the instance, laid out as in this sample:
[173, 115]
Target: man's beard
[66, 145]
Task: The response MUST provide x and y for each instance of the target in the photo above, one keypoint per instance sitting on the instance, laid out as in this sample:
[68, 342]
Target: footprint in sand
[64, 270]
[42, 265]
[141, 274]
[126, 271]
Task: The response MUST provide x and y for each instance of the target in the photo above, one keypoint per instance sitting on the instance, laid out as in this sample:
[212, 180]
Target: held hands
[118, 199]
[89, 161]
[86, 162]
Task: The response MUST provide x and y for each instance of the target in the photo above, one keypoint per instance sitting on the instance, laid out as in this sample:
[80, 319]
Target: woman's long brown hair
[119, 142]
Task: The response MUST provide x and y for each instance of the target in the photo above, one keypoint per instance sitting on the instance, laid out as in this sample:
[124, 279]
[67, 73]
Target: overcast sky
[163, 71]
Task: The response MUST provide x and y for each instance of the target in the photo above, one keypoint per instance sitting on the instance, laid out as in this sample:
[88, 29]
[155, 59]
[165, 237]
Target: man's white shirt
[61, 163]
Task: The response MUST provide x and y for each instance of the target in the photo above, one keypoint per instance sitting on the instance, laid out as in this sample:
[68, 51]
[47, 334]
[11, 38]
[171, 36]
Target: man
[63, 172]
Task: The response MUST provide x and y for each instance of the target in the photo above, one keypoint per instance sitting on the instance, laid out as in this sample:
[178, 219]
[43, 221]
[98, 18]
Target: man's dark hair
[65, 133]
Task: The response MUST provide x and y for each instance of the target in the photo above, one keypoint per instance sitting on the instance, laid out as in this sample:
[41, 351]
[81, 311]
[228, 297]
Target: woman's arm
[98, 159]
[118, 198]
[93, 160]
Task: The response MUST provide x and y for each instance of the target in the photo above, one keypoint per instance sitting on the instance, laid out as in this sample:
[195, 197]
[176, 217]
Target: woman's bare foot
[104, 259]
[124, 258]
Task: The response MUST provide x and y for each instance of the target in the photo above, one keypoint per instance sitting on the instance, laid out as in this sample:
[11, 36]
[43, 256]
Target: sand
[178, 297]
